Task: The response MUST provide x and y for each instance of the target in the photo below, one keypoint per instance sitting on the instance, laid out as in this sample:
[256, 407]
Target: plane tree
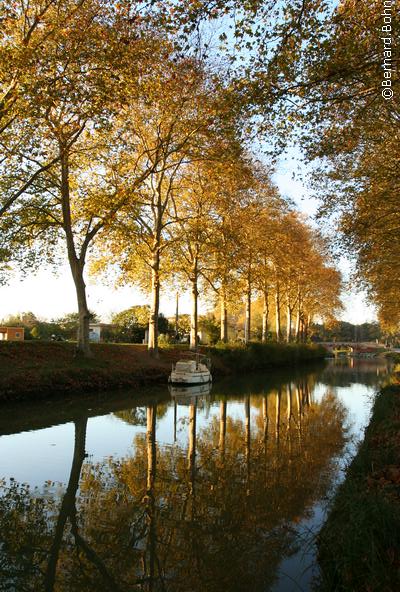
[90, 65]
[179, 126]
[201, 210]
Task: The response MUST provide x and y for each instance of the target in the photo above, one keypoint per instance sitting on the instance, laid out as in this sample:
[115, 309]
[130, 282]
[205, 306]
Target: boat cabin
[186, 366]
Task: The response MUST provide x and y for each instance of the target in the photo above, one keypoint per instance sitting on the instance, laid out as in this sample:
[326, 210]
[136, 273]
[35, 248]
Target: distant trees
[344, 331]
[65, 327]
[130, 325]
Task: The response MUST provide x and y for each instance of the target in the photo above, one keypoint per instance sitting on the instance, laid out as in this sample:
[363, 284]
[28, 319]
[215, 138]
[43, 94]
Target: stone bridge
[353, 348]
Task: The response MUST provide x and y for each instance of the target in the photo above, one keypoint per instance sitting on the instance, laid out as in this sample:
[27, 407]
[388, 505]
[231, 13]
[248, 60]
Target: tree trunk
[278, 314]
[247, 324]
[224, 317]
[298, 321]
[177, 316]
[155, 304]
[194, 313]
[288, 323]
[306, 327]
[301, 333]
[84, 314]
[76, 263]
[265, 316]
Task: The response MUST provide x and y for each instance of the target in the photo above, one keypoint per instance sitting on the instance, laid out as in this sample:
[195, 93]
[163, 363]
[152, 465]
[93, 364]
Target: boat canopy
[185, 366]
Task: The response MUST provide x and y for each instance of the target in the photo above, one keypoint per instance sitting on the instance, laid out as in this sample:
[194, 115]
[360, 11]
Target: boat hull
[190, 378]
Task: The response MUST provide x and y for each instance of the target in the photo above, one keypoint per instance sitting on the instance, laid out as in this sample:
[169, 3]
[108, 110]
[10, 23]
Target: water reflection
[214, 509]
[345, 371]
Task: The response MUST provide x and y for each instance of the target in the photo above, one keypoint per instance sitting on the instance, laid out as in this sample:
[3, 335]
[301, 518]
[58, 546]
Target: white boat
[191, 371]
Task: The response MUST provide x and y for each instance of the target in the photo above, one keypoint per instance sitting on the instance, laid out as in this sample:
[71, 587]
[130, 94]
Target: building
[97, 331]
[12, 334]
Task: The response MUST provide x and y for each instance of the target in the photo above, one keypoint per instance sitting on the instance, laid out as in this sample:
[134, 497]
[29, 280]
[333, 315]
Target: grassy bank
[359, 546]
[261, 356]
[38, 369]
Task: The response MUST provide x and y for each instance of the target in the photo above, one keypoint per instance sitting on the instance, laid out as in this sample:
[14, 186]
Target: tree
[347, 86]
[230, 182]
[23, 38]
[23, 159]
[193, 237]
[211, 326]
[131, 324]
[60, 107]
[71, 107]
[174, 131]
[332, 69]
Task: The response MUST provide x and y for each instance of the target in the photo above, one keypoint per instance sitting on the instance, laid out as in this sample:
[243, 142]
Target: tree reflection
[34, 555]
[67, 509]
[222, 429]
[217, 512]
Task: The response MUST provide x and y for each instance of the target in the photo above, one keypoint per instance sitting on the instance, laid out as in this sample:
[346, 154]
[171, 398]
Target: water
[178, 492]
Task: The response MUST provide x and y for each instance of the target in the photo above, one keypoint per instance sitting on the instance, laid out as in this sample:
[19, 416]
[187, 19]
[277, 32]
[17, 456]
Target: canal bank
[359, 545]
[37, 370]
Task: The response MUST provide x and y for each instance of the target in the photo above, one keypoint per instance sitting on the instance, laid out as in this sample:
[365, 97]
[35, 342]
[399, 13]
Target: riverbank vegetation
[45, 369]
[359, 545]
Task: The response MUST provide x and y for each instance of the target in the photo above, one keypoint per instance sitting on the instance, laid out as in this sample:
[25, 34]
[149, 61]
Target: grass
[359, 546]
[42, 368]
[259, 356]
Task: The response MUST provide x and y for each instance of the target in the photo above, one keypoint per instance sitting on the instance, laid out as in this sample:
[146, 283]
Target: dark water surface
[159, 491]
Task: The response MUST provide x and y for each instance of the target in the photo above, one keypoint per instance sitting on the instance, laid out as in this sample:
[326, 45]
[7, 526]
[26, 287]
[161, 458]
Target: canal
[174, 491]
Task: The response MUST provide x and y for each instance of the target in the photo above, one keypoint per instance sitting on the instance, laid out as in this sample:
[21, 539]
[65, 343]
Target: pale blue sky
[357, 310]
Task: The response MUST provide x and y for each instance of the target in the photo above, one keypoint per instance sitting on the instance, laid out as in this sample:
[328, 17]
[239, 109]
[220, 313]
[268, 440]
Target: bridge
[366, 349]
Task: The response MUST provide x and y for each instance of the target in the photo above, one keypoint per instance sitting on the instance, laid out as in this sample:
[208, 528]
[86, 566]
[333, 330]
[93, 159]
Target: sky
[49, 296]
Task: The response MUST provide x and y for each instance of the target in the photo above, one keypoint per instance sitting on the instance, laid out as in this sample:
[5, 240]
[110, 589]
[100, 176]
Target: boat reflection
[182, 393]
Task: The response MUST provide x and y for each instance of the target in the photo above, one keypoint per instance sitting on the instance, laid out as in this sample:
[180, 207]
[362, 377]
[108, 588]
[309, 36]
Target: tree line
[124, 147]
[327, 75]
